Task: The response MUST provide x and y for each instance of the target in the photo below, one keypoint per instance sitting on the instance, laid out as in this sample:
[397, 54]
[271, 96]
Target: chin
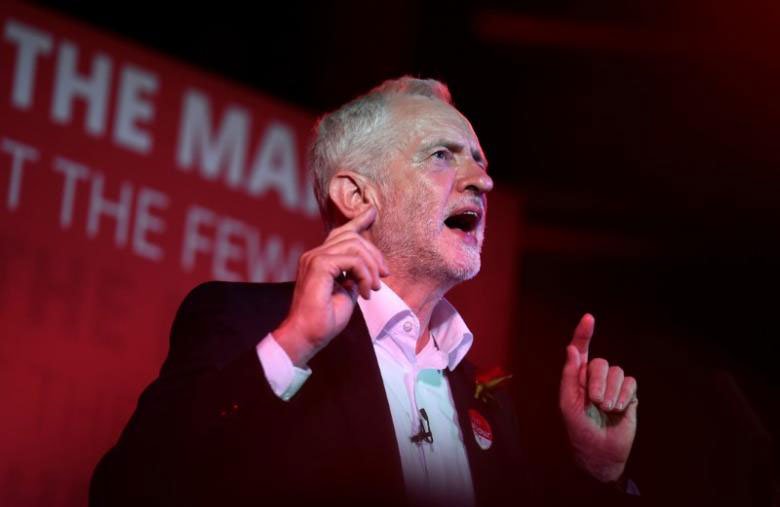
[464, 275]
[465, 268]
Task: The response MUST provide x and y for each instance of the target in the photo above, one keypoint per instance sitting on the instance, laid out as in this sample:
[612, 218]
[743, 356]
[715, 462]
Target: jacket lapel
[359, 396]
[484, 463]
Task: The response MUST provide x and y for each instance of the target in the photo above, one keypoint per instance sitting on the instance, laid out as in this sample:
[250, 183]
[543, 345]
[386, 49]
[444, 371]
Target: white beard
[415, 242]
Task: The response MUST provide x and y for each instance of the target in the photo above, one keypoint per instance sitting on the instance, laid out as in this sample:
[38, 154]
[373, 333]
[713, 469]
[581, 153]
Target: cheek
[444, 179]
[423, 198]
[438, 188]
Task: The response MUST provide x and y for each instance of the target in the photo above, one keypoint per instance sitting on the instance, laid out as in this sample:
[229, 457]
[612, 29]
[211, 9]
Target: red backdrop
[126, 179]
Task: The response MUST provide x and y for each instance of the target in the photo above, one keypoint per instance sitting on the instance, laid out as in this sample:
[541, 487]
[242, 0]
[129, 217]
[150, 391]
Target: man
[350, 387]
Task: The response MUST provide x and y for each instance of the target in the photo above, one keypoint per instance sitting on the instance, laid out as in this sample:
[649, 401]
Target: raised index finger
[583, 334]
[360, 223]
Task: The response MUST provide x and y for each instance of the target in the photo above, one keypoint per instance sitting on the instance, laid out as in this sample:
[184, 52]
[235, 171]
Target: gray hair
[357, 135]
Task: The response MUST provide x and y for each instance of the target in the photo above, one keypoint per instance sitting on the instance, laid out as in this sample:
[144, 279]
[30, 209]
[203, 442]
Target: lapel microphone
[424, 435]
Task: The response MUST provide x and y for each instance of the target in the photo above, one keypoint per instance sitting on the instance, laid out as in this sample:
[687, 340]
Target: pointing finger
[583, 334]
[570, 376]
[360, 223]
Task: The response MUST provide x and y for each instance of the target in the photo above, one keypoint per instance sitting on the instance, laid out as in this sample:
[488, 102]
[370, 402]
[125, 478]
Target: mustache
[471, 202]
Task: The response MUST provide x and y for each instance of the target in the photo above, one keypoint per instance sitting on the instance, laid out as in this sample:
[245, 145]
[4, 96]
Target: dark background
[641, 138]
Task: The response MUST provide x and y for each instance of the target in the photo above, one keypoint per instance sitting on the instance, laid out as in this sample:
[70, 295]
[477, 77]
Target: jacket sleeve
[165, 449]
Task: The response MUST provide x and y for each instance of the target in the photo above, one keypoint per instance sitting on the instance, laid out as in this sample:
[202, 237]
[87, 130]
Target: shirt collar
[385, 309]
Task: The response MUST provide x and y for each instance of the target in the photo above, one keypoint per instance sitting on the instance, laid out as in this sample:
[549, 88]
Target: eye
[443, 154]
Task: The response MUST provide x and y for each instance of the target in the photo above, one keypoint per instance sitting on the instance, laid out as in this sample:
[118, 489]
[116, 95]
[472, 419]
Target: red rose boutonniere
[489, 381]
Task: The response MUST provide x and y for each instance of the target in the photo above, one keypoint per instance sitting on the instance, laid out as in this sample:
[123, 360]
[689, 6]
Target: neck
[421, 296]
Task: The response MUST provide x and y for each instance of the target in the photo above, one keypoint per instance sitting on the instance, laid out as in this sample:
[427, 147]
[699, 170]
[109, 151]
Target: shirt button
[408, 326]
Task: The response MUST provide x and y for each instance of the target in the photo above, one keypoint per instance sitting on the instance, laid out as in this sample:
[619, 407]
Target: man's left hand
[599, 405]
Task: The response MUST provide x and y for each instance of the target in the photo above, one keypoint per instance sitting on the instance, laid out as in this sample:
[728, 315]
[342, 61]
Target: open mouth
[464, 220]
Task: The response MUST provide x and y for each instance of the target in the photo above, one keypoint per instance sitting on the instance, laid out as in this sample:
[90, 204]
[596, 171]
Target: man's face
[431, 220]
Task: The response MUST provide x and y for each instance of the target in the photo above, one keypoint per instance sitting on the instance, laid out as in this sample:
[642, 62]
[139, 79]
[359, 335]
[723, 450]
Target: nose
[475, 179]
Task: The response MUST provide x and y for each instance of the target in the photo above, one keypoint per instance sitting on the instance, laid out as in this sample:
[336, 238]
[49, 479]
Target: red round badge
[483, 434]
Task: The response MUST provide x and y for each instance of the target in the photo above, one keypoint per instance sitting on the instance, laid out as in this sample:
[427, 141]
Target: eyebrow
[455, 147]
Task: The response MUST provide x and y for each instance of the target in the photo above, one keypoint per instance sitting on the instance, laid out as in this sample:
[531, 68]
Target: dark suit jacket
[209, 431]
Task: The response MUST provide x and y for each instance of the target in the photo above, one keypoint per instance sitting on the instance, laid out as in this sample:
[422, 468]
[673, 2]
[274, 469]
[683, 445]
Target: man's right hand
[324, 299]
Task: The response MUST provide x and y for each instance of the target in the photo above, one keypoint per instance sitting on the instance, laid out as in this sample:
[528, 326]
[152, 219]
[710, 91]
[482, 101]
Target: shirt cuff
[282, 375]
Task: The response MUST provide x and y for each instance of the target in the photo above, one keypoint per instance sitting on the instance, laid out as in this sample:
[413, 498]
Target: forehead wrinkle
[456, 147]
[444, 133]
[450, 128]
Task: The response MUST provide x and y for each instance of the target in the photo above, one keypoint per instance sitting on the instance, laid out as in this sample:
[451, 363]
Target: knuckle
[361, 259]
[355, 247]
[348, 249]
[318, 261]
[338, 231]
[369, 263]
[373, 249]
[366, 248]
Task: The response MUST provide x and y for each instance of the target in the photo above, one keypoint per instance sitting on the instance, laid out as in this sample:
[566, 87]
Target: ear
[351, 193]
